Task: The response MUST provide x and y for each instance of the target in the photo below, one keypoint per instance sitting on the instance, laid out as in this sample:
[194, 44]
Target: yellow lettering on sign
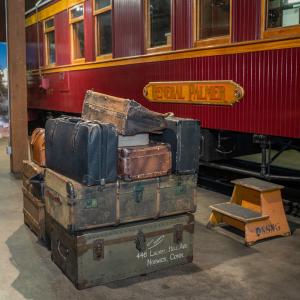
[199, 92]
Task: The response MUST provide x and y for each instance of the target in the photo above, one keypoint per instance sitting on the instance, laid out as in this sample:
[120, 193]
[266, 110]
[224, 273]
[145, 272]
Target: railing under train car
[221, 161]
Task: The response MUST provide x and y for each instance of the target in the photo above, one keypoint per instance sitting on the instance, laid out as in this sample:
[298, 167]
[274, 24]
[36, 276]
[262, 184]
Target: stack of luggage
[33, 185]
[120, 187]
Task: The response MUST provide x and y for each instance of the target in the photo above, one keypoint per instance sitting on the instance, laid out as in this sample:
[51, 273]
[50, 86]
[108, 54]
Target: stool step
[238, 212]
[257, 184]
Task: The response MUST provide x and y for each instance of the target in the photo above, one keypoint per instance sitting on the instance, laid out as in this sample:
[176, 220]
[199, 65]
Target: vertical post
[15, 10]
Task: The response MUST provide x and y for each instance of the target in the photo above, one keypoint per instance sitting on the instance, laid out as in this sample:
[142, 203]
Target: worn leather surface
[84, 151]
[143, 162]
[128, 116]
[37, 143]
[184, 137]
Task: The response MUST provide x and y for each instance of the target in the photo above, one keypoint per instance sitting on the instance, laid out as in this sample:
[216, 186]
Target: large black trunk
[81, 150]
[184, 137]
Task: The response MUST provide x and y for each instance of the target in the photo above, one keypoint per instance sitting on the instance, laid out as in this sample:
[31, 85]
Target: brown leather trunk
[128, 116]
[38, 147]
[143, 162]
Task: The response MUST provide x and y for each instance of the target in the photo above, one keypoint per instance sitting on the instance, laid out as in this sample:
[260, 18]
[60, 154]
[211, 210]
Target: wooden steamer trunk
[96, 257]
[33, 207]
[177, 194]
[77, 207]
[30, 169]
[34, 214]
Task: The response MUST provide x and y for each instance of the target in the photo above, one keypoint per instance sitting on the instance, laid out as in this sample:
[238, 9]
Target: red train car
[119, 46]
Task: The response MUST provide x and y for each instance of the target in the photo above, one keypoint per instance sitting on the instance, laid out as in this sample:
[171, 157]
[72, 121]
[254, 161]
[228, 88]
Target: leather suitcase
[77, 207]
[184, 137]
[128, 116]
[84, 151]
[37, 143]
[31, 171]
[143, 162]
[34, 214]
[96, 257]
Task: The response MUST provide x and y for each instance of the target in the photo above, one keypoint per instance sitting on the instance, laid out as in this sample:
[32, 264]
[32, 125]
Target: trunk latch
[178, 233]
[98, 249]
[140, 242]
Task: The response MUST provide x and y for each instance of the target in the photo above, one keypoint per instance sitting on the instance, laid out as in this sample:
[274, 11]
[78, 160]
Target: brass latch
[140, 242]
[178, 233]
[98, 249]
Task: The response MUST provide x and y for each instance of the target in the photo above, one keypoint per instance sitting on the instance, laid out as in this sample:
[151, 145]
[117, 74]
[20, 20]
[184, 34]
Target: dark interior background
[2, 21]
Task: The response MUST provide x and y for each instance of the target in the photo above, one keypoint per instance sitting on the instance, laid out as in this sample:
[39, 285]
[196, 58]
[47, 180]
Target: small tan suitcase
[38, 146]
[144, 162]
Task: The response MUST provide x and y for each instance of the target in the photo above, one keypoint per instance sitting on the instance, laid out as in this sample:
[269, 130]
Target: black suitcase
[184, 137]
[82, 150]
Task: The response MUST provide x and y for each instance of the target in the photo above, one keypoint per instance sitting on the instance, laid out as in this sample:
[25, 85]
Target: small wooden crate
[34, 214]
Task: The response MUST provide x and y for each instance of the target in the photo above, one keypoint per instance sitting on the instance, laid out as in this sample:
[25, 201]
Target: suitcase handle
[74, 119]
[169, 114]
[62, 250]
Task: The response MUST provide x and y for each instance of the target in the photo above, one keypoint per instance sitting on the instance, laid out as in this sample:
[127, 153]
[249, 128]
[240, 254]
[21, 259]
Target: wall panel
[62, 38]
[246, 16]
[182, 25]
[128, 25]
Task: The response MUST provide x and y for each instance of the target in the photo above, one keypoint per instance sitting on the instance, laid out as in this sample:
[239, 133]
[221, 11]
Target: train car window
[49, 31]
[283, 13]
[213, 20]
[103, 15]
[281, 18]
[77, 32]
[101, 4]
[158, 15]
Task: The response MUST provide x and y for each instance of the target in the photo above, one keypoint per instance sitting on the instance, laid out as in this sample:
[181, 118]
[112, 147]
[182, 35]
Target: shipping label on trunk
[177, 194]
[138, 200]
[98, 257]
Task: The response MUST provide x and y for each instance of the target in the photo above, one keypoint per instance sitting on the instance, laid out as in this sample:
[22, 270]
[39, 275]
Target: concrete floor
[223, 267]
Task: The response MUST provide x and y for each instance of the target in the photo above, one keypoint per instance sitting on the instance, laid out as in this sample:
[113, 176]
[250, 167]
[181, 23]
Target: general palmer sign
[225, 92]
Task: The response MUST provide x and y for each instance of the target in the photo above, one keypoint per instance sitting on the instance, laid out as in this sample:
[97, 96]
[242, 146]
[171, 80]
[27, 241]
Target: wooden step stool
[256, 208]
